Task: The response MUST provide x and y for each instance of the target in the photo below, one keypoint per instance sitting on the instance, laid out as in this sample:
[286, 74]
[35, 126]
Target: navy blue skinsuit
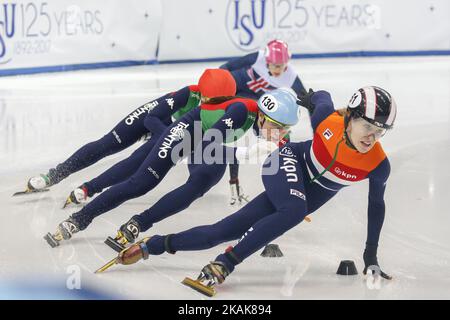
[247, 78]
[289, 196]
[152, 117]
[156, 121]
[161, 159]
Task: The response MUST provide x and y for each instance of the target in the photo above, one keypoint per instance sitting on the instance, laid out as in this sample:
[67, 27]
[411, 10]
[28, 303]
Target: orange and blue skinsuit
[300, 186]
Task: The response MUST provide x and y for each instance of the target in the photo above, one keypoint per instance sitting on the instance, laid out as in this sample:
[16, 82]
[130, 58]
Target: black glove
[304, 100]
[370, 259]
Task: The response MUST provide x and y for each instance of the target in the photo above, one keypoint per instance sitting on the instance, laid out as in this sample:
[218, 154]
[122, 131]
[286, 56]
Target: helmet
[374, 105]
[277, 52]
[217, 83]
[280, 106]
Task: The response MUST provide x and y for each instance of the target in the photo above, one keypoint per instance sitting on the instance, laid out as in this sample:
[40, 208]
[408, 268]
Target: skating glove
[133, 253]
[370, 259]
[304, 100]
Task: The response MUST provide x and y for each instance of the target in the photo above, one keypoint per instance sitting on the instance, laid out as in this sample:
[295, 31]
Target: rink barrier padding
[118, 64]
[349, 54]
[75, 67]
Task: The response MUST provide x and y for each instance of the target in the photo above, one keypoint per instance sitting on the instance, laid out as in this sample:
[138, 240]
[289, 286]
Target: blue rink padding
[348, 54]
[128, 63]
[73, 67]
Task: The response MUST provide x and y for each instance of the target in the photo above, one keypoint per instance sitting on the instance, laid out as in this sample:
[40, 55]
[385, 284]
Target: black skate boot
[127, 234]
[77, 196]
[211, 274]
[64, 231]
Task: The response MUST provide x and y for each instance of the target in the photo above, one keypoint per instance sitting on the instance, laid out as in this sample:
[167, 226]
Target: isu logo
[344, 174]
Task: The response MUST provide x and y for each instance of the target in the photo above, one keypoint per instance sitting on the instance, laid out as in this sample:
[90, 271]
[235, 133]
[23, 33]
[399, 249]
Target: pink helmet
[277, 52]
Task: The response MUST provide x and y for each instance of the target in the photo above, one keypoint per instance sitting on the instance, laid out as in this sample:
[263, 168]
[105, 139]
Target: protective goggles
[368, 129]
[276, 124]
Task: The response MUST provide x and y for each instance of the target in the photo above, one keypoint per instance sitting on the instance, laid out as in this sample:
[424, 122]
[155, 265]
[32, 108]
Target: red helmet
[277, 52]
[217, 83]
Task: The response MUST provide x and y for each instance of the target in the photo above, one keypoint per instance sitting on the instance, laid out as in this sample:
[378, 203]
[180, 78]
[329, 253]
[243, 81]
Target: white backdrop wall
[52, 35]
[232, 27]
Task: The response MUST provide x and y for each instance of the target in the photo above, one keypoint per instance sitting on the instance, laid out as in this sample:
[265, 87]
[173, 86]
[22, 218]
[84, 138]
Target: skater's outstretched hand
[370, 259]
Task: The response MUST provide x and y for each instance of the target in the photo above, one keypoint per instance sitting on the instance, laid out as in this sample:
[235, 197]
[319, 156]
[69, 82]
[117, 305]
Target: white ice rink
[45, 118]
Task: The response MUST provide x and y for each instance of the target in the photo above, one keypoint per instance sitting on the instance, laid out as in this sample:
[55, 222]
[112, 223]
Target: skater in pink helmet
[255, 74]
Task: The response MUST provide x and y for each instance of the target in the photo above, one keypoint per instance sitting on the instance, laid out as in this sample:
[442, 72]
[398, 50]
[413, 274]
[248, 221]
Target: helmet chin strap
[348, 142]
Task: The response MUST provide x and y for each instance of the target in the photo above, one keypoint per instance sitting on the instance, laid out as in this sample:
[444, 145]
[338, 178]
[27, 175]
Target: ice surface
[44, 118]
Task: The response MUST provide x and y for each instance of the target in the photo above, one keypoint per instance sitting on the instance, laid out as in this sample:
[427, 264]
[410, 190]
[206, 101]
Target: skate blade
[245, 199]
[110, 242]
[106, 266]
[199, 287]
[68, 201]
[51, 240]
[29, 191]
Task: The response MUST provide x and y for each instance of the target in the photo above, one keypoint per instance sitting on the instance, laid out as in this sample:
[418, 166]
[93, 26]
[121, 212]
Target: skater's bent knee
[293, 214]
[139, 185]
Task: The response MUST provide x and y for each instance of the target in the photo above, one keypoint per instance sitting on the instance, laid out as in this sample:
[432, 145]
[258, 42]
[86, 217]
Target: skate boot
[129, 255]
[35, 184]
[77, 196]
[64, 231]
[127, 234]
[237, 193]
[212, 274]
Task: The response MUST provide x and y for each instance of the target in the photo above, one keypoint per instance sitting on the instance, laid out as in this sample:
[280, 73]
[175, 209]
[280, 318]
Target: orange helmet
[217, 83]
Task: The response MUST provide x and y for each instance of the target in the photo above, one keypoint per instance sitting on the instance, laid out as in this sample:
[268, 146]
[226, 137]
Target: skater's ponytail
[342, 112]
[219, 100]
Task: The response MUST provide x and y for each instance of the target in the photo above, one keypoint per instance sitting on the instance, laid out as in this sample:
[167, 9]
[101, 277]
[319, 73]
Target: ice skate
[36, 184]
[237, 194]
[77, 196]
[212, 274]
[64, 231]
[127, 234]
